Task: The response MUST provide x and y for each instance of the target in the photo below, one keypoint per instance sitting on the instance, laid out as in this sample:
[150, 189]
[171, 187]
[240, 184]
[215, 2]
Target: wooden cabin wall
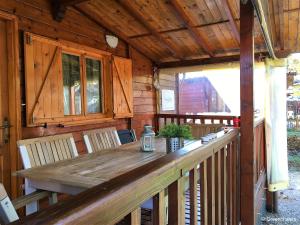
[198, 95]
[35, 16]
[168, 82]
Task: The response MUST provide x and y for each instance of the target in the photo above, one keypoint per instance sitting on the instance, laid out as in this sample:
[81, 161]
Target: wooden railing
[260, 165]
[259, 147]
[163, 119]
[213, 169]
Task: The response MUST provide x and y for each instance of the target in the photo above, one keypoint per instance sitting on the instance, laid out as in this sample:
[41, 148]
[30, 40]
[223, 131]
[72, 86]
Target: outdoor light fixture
[111, 40]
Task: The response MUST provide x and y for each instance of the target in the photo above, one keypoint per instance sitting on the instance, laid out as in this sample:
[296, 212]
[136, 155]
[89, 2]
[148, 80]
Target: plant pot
[173, 144]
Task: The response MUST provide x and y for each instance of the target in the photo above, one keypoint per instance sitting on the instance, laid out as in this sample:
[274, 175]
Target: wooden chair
[100, 139]
[8, 208]
[126, 136]
[42, 151]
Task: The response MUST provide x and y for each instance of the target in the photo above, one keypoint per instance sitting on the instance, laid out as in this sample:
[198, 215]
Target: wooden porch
[63, 73]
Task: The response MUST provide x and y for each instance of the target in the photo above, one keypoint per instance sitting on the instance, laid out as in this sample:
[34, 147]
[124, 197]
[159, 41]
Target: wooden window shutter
[43, 79]
[122, 87]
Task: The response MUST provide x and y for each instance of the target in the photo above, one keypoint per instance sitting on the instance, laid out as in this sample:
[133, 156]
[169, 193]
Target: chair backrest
[126, 136]
[46, 150]
[200, 130]
[8, 213]
[99, 139]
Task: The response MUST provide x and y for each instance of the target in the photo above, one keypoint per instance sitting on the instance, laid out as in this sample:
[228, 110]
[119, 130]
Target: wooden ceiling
[180, 30]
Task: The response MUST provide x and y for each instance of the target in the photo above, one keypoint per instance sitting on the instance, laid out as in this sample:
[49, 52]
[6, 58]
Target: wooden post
[247, 135]
[176, 215]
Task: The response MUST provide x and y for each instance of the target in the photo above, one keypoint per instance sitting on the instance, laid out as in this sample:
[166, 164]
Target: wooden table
[78, 174]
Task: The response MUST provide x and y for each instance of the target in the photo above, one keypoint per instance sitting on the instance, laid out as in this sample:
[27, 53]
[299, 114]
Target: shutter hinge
[28, 39]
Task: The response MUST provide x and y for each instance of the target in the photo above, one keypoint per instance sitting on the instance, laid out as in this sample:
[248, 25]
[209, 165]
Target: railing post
[224, 186]
[135, 217]
[218, 180]
[211, 189]
[159, 209]
[193, 181]
[176, 196]
[203, 193]
[229, 184]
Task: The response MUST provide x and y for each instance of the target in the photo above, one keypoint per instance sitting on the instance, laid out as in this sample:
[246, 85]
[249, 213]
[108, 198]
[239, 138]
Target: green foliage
[173, 130]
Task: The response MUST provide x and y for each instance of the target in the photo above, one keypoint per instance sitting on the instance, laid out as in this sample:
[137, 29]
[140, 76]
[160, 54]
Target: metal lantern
[148, 139]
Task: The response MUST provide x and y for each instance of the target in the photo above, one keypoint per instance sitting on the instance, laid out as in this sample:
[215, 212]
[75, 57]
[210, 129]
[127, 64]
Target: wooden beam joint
[59, 8]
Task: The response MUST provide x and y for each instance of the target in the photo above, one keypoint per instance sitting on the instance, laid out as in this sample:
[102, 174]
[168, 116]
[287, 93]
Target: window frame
[33, 116]
[83, 55]
[81, 80]
[100, 59]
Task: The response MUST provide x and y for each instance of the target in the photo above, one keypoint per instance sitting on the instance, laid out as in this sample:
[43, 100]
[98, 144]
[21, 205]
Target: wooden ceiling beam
[182, 29]
[116, 32]
[231, 19]
[181, 14]
[59, 7]
[72, 2]
[172, 48]
[261, 15]
[196, 62]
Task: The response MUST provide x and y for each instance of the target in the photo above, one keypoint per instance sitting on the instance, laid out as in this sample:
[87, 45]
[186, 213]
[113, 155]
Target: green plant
[173, 130]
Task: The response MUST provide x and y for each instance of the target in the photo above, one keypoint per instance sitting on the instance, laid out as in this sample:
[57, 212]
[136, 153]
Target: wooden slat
[35, 155]
[62, 148]
[223, 187]
[191, 27]
[176, 203]
[229, 186]
[193, 181]
[118, 33]
[25, 199]
[45, 153]
[54, 150]
[135, 217]
[234, 184]
[30, 154]
[233, 24]
[203, 193]
[128, 5]
[50, 152]
[40, 153]
[159, 209]
[218, 181]
[211, 190]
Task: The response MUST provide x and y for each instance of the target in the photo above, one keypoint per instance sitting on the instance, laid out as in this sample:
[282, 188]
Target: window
[93, 85]
[68, 83]
[72, 84]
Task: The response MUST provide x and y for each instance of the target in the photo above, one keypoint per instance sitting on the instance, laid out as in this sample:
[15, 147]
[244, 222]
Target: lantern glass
[148, 139]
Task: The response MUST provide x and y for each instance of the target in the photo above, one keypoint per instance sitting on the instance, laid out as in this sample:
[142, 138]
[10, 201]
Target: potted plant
[175, 135]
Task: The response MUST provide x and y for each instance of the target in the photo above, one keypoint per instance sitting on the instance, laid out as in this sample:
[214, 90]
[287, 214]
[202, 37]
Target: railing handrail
[109, 202]
[224, 117]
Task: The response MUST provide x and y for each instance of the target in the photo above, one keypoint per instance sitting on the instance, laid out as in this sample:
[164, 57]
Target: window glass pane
[93, 73]
[72, 84]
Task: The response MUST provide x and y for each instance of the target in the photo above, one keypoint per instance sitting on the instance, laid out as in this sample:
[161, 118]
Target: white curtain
[276, 129]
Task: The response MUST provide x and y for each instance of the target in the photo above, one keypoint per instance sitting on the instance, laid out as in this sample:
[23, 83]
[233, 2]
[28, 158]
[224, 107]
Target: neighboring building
[198, 95]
